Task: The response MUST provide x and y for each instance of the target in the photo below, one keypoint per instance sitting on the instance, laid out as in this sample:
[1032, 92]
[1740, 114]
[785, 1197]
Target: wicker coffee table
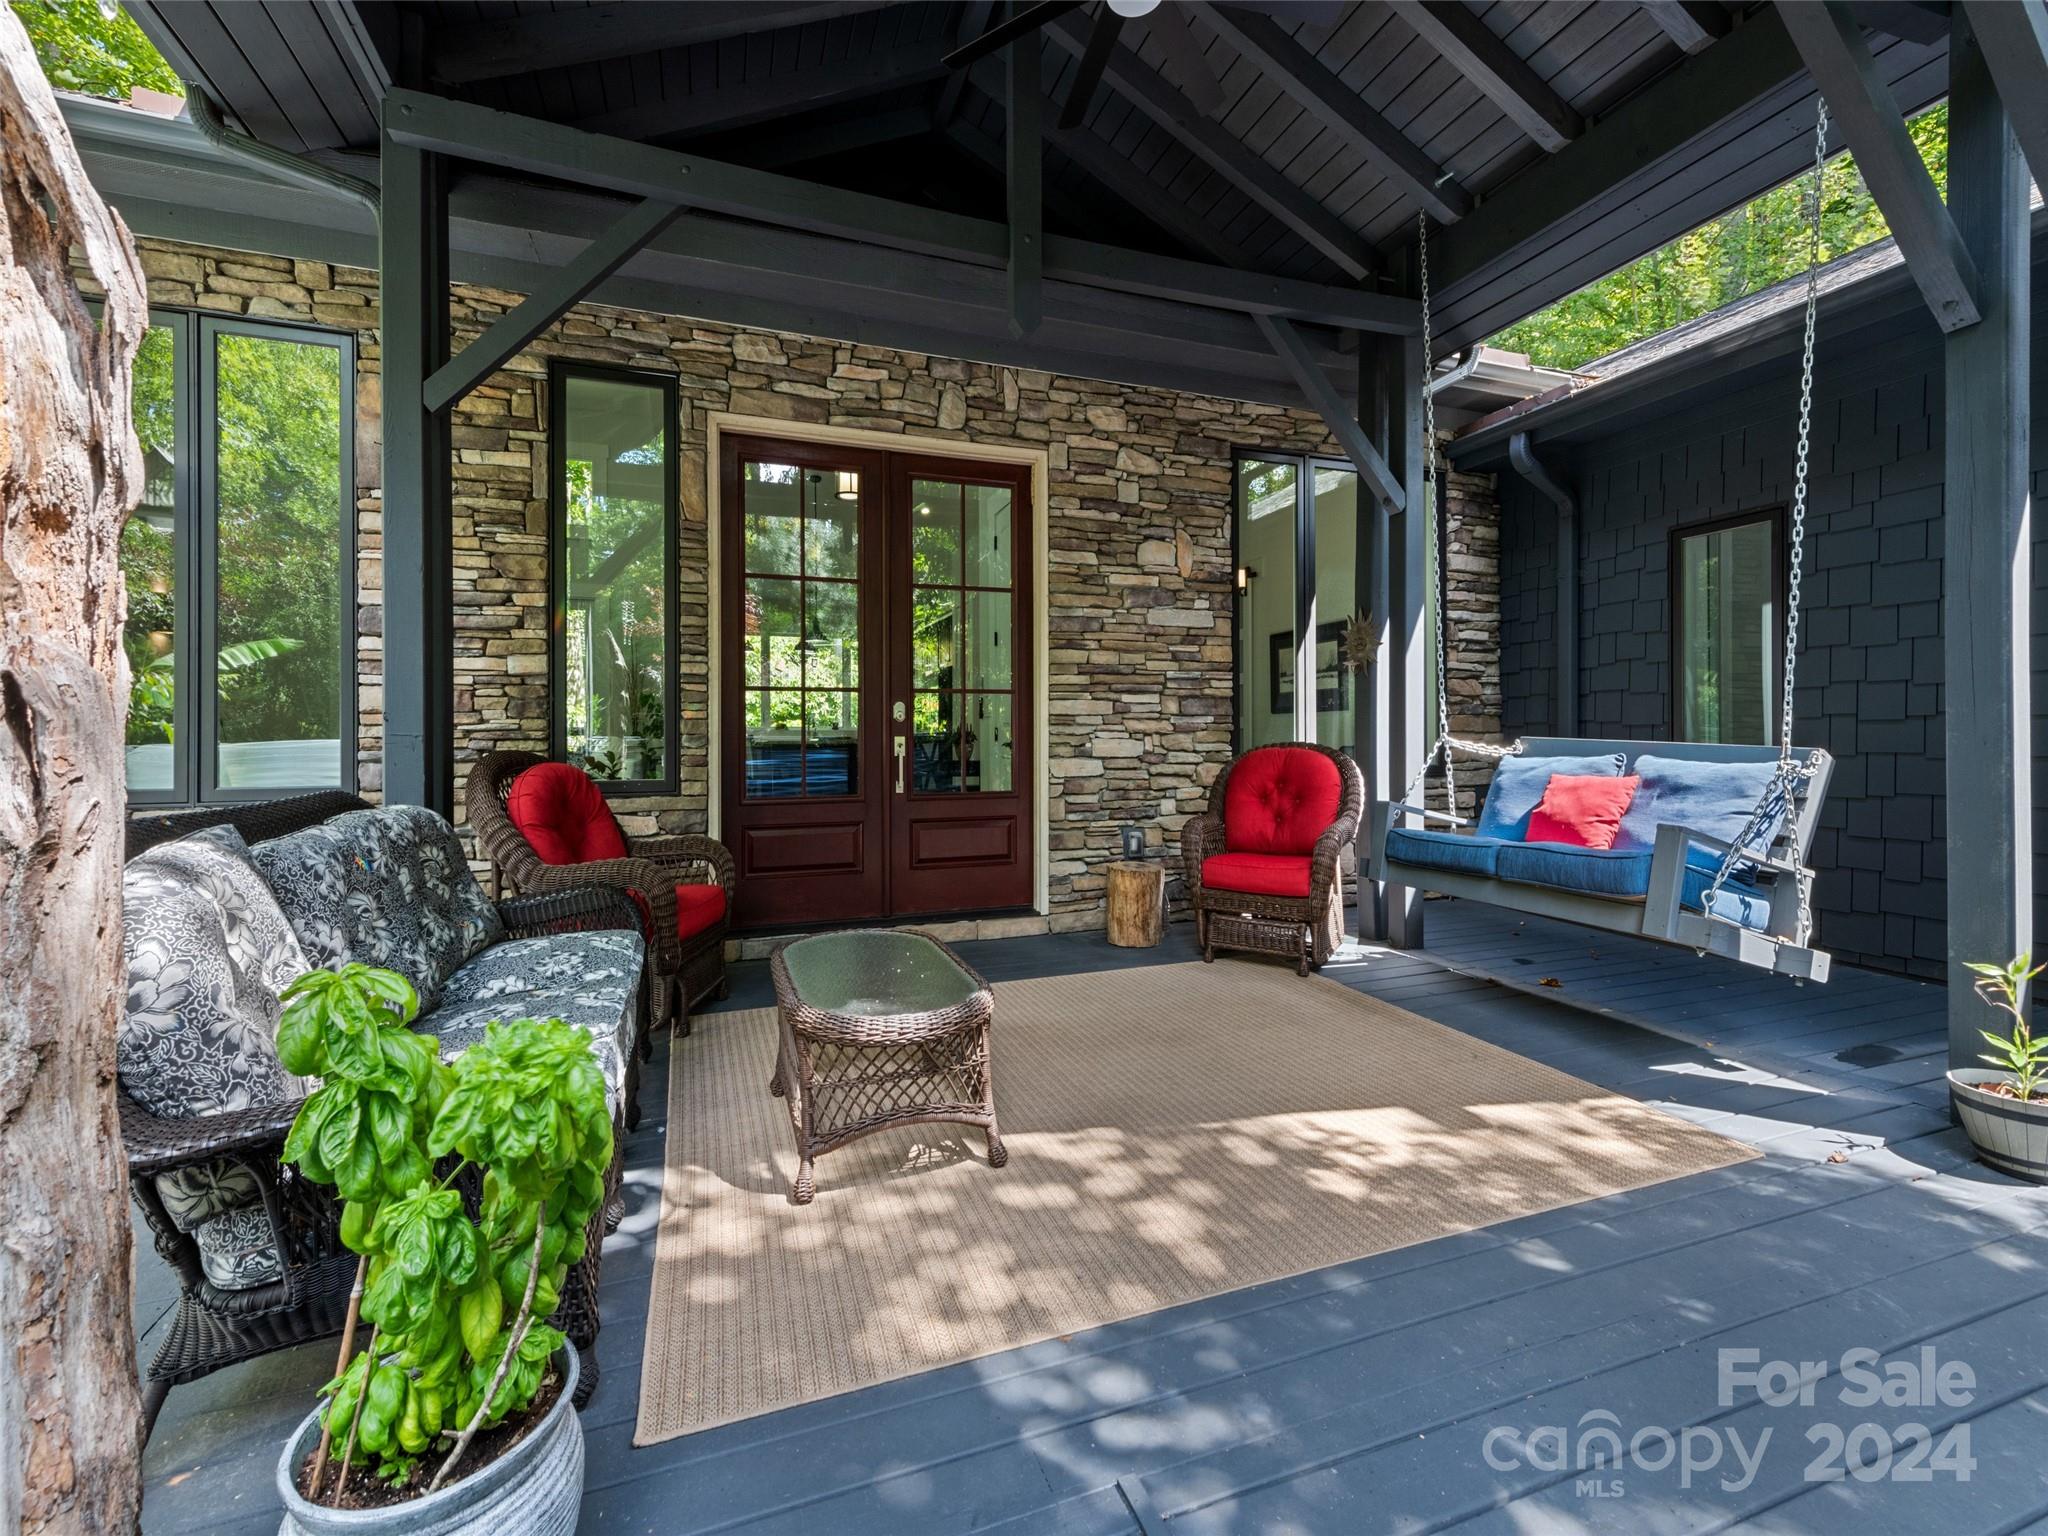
[879, 1029]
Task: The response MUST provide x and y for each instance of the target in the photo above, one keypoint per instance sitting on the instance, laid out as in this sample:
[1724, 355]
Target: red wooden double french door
[874, 656]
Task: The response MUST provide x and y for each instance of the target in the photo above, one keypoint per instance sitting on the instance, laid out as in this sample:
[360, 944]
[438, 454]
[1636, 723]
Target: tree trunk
[70, 469]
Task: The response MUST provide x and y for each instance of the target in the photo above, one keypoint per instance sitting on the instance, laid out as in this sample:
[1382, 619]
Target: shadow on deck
[1409, 1391]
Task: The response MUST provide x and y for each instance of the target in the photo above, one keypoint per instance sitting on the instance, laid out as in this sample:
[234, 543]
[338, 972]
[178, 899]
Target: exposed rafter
[468, 51]
[1692, 24]
[643, 170]
[1168, 27]
[968, 23]
[1917, 21]
[1140, 84]
[1087, 79]
[1831, 42]
[1336, 412]
[774, 98]
[1339, 108]
[2013, 35]
[1501, 74]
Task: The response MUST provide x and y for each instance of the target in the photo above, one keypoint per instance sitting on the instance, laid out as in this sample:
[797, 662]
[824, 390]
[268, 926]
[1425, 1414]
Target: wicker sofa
[545, 827]
[1263, 864]
[257, 1249]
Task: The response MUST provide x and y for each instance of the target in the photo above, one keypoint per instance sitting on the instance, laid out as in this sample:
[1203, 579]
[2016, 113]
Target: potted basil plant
[2003, 1107]
[454, 1415]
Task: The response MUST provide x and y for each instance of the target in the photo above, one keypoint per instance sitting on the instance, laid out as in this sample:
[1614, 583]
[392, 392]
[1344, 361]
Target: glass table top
[872, 973]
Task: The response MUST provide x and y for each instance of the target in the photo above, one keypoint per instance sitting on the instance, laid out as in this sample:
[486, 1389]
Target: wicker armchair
[1276, 887]
[686, 969]
[211, 1327]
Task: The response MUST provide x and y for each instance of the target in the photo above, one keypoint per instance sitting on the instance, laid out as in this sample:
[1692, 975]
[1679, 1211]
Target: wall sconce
[849, 485]
[1245, 577]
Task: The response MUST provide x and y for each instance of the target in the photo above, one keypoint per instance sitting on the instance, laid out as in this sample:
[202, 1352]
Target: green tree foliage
[1740, 253]
[83, 48]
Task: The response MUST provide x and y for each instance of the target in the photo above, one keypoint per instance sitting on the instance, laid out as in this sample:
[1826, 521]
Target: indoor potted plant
[467, 1191]
[2004, 1107]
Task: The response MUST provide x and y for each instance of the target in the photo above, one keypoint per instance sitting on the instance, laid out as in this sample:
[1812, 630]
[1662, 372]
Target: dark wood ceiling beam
[1102, 36]
[538, 148]
[461, 54]
[969, 23]
[1024, 184]
[1831, 42]
[1694, 25]
[777, 97]
[1479, 54]
[1339, 108]
[1168, 27]
[1141, 85]
[2014, 38]
[1916, 21]
[1337, 414]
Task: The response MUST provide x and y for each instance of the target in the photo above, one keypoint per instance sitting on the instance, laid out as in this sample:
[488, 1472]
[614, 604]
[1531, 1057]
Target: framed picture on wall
[1333, 679]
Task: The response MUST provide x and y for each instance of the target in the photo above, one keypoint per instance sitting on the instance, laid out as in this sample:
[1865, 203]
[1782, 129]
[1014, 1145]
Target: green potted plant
[455, 1415]
[2003, 1107]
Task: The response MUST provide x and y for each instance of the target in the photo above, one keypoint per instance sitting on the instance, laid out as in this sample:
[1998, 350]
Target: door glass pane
[1336, 602]
[1728, 649]
[987, 536]
[616, 519]
[277, 437]
[934, 533]
[832, 523]
[774, 630]
[934, 638]
[989, 746]
[1265, 598]
[831, 743]
[985, 641]
[775, 743]
[149, 569]
[772, 518]
[831, 647]
[935, 743]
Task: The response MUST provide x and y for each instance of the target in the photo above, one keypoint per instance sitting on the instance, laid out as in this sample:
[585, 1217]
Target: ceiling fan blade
[1088, 73]
[1000, 36]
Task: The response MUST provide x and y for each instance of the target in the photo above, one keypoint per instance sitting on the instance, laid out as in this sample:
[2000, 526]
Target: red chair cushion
[698, 907]
[560, 811]
[1280, 800]
[1582, 810]
[1257, 874]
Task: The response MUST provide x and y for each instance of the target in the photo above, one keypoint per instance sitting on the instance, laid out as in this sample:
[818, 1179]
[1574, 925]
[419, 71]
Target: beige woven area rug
[1174, 1131]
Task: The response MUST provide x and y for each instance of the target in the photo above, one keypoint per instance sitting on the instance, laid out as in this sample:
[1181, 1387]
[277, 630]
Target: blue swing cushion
[1713, 798]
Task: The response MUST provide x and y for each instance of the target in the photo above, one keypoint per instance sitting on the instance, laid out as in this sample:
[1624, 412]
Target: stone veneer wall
[1472, 623]
[1140, 651]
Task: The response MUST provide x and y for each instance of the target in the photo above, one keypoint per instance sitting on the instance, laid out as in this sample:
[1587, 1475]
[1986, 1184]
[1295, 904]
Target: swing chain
[1445, 743]
[1778, 795]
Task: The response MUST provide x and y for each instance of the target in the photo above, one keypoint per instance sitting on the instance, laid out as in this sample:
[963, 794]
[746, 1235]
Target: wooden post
[1986, 555]
[70, 471]
[1408, 660]
[419, 568]
[1373, 718]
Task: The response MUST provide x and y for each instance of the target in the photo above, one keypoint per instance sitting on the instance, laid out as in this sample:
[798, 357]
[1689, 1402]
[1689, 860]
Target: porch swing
[1711, 851]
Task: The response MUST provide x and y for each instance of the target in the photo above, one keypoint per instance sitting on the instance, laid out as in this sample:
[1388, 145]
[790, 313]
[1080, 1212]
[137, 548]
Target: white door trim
[718, 423]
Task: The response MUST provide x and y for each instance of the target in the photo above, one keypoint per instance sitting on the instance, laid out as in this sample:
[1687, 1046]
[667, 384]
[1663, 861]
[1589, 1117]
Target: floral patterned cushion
[207, 952]
[221, 1205]
[387, 887]
[589, 979]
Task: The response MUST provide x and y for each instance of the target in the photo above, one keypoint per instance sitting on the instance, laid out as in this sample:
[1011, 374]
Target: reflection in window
[962, 638]
[149, 570]
[800, 659]
[1727, 633]
[617, 511]
[278, 512]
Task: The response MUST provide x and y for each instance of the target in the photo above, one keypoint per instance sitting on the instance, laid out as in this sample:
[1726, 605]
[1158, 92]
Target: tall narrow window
[240, 633]
[614, 565]
[1725, 582]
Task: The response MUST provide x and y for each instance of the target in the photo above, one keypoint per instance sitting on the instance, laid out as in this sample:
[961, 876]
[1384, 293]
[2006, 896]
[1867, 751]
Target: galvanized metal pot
[2009, 1135]
[535, 1488]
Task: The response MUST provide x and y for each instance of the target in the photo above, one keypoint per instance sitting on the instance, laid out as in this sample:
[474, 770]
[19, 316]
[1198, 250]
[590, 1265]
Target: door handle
[901, 749]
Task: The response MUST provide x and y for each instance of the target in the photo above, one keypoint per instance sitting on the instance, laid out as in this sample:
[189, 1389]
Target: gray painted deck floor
[1409, 1392]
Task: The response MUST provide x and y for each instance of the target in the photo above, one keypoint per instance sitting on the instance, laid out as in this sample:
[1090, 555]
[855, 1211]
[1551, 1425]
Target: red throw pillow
[1584, 810]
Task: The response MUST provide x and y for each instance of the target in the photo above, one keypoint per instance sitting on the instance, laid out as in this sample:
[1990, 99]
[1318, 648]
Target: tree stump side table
[1137, 904]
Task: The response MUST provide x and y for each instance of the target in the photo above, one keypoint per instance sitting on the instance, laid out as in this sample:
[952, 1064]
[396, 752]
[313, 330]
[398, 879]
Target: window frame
[195, 706]
[560, 371]
[1774, 518]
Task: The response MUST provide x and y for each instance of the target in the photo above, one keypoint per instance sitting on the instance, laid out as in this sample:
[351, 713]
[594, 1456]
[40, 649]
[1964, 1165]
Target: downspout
[282, 163]
[1522, 454]
[1463, 369]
